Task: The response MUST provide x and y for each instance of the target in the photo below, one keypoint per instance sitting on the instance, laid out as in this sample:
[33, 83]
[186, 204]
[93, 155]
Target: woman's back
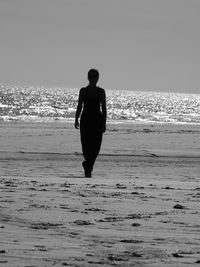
[91, 101]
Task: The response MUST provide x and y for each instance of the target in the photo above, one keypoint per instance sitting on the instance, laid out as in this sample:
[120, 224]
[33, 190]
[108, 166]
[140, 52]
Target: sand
[140, 208]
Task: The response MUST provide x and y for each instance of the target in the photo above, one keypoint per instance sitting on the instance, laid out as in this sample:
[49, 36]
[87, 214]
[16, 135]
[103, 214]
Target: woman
[92, 100]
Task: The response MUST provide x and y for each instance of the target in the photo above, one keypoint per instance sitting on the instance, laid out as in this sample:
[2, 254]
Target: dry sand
[140, 208]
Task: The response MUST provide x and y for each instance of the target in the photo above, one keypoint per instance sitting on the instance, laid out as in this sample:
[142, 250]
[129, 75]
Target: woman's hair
[93, 74]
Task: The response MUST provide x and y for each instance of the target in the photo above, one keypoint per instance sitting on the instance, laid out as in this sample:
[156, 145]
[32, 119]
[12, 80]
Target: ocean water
[49, 104]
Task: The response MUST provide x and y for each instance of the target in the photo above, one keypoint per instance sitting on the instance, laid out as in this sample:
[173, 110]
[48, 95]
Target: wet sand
[140, 208]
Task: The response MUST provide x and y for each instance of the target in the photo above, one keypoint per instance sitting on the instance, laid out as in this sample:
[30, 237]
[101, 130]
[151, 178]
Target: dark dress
[91, 128]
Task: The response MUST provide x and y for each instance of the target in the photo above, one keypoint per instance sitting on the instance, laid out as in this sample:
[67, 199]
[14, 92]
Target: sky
[148, 45]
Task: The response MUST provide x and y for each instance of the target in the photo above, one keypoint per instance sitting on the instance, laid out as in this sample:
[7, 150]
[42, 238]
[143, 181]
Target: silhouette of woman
[92, 104]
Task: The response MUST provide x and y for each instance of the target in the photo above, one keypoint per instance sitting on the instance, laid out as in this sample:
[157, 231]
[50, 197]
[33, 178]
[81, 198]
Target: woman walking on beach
[92, 107]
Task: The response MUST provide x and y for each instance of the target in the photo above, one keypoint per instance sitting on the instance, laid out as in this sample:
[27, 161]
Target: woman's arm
[79, 108]
[104, 109]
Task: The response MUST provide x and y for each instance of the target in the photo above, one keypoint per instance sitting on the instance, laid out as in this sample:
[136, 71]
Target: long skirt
[91, 139]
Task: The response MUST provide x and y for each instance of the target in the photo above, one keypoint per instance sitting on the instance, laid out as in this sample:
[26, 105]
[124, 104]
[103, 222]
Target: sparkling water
[46, 104]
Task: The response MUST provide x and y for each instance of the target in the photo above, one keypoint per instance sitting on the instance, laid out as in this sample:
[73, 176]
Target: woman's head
[93, 76]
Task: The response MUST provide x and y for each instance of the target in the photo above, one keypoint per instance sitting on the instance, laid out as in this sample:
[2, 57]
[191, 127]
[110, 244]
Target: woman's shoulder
[101, 90]
[82, 90]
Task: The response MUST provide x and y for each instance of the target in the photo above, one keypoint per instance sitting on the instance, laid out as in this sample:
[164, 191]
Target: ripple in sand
[131, 241]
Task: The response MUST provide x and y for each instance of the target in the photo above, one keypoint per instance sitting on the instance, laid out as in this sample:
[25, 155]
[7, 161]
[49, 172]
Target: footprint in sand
[41, 248]
[82, 222]
[44, 226]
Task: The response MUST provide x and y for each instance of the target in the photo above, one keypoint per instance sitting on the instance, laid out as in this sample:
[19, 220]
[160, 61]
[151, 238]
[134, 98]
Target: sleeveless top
[91, 108]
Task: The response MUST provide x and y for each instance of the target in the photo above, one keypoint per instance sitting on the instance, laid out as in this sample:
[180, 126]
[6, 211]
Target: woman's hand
[103, 128]
[76, 124]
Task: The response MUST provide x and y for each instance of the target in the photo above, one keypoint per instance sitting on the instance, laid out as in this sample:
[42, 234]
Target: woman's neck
[92, 84]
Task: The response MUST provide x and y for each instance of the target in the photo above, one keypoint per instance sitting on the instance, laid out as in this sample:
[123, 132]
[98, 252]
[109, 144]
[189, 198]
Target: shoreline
[70, 120]
[159, 153]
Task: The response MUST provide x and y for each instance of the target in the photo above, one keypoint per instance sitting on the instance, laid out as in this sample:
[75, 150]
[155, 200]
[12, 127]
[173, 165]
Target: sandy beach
[140, 208]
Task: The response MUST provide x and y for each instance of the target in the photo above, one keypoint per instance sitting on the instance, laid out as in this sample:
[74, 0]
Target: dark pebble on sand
[136, 255]
[93, 186]
[168, 188]
[2, 251]
[178, 206]
[176, 255]
[136, 224]
[8, 182]
[135, 193]
[120, 186]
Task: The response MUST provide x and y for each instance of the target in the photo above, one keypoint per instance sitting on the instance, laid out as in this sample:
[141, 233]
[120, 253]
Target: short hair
[93, 74]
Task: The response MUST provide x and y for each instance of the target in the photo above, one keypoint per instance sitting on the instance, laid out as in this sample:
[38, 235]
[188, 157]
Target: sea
[44, 104]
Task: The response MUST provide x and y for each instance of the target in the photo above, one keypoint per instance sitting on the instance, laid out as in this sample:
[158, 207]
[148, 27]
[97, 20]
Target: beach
[140, 208]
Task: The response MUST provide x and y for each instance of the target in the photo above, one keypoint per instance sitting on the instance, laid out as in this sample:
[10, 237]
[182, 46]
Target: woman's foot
[87, 174]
